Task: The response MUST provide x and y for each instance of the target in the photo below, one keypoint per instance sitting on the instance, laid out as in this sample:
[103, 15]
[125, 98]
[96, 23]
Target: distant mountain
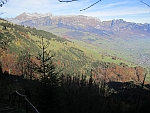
[125, 40]
[27, 16]
[84, 23]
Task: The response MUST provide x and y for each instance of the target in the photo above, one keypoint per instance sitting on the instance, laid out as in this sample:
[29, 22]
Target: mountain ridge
[81, 22]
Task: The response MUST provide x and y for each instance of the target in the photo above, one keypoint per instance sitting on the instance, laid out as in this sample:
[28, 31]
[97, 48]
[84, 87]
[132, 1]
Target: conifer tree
[48, 93]
[46, 68]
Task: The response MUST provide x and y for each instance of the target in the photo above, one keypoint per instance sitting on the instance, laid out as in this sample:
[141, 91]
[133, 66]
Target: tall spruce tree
[46, 68]
[48, 93]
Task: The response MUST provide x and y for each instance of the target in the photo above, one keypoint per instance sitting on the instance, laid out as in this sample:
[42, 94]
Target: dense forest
[68, 94]
[58, 76]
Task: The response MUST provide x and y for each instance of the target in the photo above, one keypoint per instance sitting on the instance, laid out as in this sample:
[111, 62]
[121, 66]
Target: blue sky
[129, 10]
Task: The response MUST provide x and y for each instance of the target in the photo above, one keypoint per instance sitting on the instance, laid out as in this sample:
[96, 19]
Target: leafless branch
[67, 0]
[145, 3]
[2, 2]
[94, 3]
[90, 5]
[77, 0]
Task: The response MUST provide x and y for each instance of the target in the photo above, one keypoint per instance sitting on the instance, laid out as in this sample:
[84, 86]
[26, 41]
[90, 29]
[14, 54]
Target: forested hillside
[20, 45]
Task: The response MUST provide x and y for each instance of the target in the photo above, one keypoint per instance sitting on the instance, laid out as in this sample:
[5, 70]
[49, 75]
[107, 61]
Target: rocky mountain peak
[29, 16]
[22, 16]
[117, 22]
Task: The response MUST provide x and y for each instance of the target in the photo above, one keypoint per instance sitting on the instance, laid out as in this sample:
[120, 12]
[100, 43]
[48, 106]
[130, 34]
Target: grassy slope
[55, 46]
[95, 49]
[129, 50]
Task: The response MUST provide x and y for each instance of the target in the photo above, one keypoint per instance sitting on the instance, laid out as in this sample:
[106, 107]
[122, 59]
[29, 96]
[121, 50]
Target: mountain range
[84, 23]
[118, 38]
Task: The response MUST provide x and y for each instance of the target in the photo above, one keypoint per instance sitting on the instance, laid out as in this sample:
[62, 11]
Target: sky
[129, 10]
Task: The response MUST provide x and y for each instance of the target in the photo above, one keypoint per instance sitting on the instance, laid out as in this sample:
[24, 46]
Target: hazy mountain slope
[73, 58]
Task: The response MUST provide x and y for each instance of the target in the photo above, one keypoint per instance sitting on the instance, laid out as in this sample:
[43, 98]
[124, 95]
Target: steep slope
[73, 58]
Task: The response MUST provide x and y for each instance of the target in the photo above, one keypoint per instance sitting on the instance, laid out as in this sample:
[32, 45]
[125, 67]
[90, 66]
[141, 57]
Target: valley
[126, 41]
[72, 57]
[118, 38]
